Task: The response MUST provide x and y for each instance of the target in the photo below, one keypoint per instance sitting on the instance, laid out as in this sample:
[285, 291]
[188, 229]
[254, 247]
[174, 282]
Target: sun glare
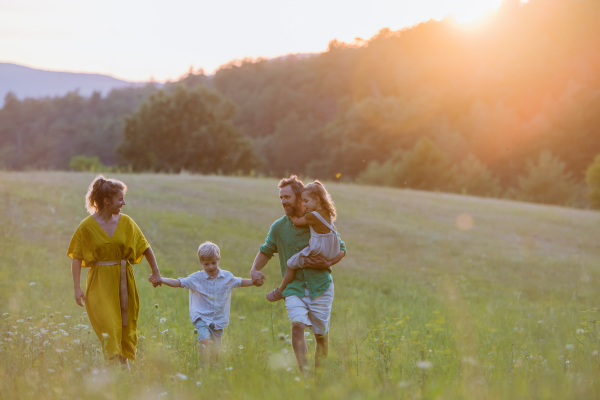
[467, 12]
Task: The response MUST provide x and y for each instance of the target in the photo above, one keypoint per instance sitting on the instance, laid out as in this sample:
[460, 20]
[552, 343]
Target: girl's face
[310, 203]
[115, 203]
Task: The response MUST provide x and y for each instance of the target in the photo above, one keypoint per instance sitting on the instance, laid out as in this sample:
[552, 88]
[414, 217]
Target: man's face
[290, 203]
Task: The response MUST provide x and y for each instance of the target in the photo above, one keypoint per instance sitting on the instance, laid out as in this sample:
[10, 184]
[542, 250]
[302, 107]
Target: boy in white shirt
[210, 299]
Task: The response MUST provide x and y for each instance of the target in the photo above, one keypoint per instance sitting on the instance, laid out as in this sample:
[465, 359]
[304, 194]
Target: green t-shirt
[287, 239]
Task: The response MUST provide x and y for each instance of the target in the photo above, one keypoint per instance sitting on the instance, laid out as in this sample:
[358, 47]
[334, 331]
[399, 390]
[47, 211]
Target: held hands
[79, 296]
[257, 278]
[155, 279]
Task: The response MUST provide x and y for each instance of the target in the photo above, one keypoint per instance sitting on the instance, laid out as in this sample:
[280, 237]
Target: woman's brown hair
[317, 190]
[100, 189]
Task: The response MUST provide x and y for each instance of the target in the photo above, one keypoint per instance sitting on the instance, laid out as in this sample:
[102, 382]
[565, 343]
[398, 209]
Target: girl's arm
[246, 282]
[171, 282]
[299, 221]
[76, 272]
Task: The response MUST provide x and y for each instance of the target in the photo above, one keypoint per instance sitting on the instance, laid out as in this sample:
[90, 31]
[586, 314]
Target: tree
[546, 181]
[83, 163]
[423, 167]
[592, 178]
[473, 177]
[187, 129]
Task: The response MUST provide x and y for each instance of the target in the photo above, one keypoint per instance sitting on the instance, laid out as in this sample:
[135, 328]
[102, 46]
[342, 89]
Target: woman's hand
[155, 279]
[79, 296]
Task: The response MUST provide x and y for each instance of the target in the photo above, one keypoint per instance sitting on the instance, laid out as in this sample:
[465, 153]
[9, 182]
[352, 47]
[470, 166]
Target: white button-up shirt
[210, 298]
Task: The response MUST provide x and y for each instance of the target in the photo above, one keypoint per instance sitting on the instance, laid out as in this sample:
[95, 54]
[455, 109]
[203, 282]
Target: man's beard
[292, 210]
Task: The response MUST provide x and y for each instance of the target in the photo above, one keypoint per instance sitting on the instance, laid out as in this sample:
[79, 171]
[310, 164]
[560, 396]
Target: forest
[509, 107]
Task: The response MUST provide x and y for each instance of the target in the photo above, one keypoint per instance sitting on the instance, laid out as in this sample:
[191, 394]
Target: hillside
[30, 82]
[493, 303]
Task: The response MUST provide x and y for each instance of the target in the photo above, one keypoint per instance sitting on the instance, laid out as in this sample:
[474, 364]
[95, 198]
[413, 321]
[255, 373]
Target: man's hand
[317, 262]
[257, 278]
[79, 296]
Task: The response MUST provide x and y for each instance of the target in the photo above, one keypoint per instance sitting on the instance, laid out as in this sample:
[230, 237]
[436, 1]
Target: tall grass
[500, 305]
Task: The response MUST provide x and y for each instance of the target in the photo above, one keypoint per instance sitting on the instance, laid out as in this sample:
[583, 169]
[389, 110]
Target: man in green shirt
[309, 296]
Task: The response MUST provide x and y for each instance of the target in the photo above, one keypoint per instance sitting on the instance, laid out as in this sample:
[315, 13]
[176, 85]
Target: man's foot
[275, 295]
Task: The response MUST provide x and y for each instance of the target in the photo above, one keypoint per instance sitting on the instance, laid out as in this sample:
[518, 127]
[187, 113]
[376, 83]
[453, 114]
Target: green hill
[440, 295]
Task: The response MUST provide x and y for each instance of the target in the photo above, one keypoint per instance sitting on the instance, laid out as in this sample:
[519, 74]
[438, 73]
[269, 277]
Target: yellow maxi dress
[91, 244]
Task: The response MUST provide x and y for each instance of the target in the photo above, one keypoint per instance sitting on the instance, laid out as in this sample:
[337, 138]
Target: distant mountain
[29, 82]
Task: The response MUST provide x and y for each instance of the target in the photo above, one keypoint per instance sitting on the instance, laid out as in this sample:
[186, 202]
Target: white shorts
[314, 313]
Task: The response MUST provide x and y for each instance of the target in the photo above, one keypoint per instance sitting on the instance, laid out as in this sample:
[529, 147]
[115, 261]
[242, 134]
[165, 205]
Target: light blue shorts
[206, 332]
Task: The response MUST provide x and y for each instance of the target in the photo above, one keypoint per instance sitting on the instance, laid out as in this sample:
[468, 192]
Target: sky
[140, 40]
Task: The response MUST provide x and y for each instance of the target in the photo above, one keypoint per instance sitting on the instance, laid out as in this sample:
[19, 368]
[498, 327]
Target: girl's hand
[79, 296]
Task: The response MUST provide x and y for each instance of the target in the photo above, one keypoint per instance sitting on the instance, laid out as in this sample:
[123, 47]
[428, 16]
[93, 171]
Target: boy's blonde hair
[209, 251]
[317, 190]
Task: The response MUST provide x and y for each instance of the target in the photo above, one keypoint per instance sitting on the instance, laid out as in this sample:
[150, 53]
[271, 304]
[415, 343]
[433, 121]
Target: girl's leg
[277, 294]
[287, 279]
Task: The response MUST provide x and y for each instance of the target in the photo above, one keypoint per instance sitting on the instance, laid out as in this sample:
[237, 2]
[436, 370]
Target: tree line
[491, 110]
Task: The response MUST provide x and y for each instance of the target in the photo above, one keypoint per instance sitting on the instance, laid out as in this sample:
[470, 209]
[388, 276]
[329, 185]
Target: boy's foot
[275, 295]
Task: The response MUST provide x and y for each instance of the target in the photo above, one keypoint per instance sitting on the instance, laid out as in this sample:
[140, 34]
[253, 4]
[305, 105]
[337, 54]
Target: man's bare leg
[299, 344]
[322, 350]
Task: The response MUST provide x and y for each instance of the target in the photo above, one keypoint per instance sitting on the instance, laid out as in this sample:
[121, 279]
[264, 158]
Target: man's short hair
[295, 183]
[209, 251]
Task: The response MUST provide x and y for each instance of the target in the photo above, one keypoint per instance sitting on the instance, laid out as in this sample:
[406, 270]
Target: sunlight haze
[139, 40]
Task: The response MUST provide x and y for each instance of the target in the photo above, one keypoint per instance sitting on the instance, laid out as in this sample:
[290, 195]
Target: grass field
[498, 303]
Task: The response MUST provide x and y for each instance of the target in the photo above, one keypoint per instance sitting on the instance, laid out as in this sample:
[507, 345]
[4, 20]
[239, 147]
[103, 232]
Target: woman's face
[115, 203]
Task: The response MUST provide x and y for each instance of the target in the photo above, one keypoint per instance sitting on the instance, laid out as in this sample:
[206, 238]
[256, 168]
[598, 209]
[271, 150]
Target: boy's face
[211, 267]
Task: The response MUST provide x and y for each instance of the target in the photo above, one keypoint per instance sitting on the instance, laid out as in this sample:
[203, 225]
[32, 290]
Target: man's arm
[259, 263]
[320, 262]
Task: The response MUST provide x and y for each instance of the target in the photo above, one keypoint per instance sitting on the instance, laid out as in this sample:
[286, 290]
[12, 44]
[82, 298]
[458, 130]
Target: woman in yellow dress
[109, 243]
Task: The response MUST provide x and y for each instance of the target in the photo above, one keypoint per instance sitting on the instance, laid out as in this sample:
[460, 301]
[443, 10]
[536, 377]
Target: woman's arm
[154, 278]
[76, 272]
[299, 221]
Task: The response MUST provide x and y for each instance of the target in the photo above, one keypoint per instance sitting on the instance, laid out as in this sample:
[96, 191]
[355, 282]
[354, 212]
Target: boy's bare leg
[214, 352]
[299, 344]
[203, 347]
[322, 350]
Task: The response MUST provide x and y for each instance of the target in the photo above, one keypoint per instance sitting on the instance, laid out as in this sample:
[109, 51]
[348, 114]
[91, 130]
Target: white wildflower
[240, 347]
[163, 320]
[228, 369]
[105, 335]
[569, 346]
[580, 331]
[297, 379]
[198, 384]
[31, 283]
[241, 317]
[181, 376]
[424, 364]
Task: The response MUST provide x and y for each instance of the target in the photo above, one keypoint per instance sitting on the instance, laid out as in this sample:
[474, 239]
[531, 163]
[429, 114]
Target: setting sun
[473, 11]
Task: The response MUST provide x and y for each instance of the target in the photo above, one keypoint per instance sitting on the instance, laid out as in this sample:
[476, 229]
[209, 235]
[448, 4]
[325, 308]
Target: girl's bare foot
[275, 295]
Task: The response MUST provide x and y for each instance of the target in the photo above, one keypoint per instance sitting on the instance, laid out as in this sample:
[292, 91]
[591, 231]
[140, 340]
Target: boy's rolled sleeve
[236, 283]
[270, 246]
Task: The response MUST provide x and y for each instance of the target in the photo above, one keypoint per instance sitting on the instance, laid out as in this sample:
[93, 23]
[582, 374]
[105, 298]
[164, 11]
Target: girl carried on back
[323, 236]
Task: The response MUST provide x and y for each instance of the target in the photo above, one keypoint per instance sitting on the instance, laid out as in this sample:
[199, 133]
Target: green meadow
[440, 296]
